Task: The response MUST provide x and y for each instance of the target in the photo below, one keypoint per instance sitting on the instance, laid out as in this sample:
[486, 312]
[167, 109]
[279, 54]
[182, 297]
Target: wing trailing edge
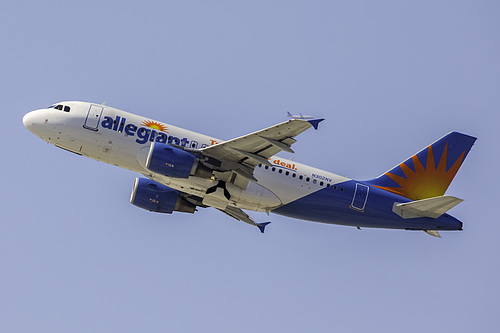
[240, 215]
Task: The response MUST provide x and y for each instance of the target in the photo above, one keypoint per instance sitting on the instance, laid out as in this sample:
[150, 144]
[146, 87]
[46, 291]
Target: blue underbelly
[340, 205]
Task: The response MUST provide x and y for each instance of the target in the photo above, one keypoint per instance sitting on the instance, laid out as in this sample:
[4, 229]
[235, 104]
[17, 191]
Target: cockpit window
[61, 107]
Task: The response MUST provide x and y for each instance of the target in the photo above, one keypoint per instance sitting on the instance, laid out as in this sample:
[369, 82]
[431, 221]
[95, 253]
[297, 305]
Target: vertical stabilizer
[428, 173]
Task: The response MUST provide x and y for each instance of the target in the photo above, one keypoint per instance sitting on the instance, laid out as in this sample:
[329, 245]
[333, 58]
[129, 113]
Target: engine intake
[174, 162]
[155, 197]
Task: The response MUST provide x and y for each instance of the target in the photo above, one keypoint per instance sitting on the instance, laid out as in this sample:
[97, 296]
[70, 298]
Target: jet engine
[174, 162]
[155, 197]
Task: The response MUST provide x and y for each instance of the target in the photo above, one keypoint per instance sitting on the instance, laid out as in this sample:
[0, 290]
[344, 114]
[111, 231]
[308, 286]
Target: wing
[234, 161]
[233, 212]
[241, 155]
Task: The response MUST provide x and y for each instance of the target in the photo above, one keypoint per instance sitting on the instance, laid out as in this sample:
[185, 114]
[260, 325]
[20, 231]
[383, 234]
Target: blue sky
[390, 77]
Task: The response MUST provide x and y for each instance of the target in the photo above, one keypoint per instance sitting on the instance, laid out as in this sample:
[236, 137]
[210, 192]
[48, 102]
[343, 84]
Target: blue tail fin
[428, 173]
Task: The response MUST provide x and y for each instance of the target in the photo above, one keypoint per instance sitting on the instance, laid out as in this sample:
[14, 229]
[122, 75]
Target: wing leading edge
[241, 155]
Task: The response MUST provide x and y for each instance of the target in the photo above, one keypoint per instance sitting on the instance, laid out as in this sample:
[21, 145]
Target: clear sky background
[390, 77]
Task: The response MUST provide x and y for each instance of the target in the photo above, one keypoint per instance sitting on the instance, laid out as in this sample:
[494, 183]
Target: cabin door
[360, 197]
[93, 117]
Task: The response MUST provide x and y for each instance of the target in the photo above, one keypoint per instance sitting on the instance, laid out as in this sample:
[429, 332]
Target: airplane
[184, 170]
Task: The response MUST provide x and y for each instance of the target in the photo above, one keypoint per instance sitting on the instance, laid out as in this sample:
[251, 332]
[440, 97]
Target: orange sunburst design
[425, 182]
[154, 125]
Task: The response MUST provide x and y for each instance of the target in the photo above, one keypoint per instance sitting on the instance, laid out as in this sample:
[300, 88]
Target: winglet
[262, 226]
[315, 122]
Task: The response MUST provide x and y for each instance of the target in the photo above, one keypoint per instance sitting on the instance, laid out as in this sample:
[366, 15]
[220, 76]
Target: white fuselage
[123, 139]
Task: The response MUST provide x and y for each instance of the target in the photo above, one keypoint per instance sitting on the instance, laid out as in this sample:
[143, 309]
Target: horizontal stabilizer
[433, 233]
[432, 207]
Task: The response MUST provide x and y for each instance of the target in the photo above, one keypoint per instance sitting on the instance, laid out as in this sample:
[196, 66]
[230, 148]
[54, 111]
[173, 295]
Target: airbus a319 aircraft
[184, 170]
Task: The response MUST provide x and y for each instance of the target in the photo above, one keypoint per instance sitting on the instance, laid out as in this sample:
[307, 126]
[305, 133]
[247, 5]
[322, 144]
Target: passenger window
[301, 177]
[287, 173]
[267, 167]
[294, 175]
[273, 169]
[314, 181]
[321, 184]
[280, 170]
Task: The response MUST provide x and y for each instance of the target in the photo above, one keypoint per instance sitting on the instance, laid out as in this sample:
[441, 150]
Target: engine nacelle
[155, 197]
[174, 162]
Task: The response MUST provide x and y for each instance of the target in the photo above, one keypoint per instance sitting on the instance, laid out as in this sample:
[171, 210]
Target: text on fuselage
[145, 133]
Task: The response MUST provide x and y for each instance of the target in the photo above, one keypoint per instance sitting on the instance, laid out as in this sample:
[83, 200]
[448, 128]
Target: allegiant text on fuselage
[145, 134]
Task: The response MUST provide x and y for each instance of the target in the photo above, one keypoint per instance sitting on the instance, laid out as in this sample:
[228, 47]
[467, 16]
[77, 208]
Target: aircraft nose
[29, 120]
[32, 120]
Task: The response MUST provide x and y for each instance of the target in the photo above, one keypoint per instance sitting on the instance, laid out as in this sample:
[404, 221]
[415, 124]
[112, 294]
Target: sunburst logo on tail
[154, 125]
[424, 182]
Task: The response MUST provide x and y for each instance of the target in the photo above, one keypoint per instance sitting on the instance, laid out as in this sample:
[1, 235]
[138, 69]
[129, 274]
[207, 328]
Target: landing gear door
[360, 197]
[93, 117]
